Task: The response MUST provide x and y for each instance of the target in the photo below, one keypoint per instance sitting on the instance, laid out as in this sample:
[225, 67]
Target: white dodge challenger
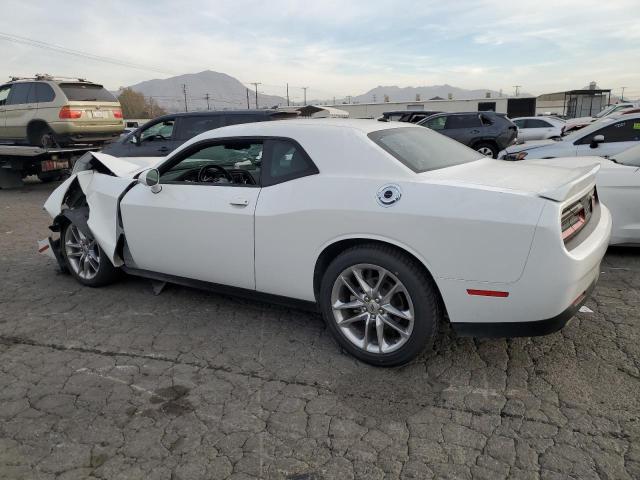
[388, 230]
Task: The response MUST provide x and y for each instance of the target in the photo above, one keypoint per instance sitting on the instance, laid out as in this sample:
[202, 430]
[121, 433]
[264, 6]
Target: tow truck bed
[18, 162]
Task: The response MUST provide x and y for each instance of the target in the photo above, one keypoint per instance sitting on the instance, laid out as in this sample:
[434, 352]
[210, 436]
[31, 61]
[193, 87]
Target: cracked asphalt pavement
[116, 383]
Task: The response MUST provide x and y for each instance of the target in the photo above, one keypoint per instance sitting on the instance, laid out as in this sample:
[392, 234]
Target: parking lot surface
[117, 383]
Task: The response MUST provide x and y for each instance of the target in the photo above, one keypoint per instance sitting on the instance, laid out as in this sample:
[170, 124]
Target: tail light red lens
[577, 215]
[67, 113]
[117, 113]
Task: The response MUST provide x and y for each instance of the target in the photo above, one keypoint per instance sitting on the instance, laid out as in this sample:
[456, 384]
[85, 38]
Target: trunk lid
[554, 183]
[96, 113]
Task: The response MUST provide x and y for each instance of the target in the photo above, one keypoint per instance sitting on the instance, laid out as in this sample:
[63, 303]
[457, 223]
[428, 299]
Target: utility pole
[622, 94]
[248, 99]
[348, 98]
[287, 94]
[517, 87]
[334, 99]
[184, 91]
[374, 98]
[206, 97]
[255, 84]
[151, 106]
[305, 95]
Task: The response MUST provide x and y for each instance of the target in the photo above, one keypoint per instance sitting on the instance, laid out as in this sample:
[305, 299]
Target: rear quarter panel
[456, 232]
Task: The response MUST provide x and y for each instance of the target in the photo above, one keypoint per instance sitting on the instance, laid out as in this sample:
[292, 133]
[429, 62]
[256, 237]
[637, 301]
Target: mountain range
[225, 92]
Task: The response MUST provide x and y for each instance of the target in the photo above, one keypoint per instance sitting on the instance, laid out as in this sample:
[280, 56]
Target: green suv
[49, 112]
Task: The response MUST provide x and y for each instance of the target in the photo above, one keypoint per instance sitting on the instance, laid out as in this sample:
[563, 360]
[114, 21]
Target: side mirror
[595, 141]
[151, 179]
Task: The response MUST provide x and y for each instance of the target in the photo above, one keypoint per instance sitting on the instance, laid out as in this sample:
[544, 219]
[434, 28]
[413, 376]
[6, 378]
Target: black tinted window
[44, 93]
[189, 127]
[462, 121]
[422, 150]
[287, 161]
[236, 119]
[19, 94]
[618, 132]
[535, 123]
[83, 92]
[4, 93]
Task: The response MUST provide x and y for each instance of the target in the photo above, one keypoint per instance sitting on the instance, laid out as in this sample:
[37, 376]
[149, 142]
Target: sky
[336, 48]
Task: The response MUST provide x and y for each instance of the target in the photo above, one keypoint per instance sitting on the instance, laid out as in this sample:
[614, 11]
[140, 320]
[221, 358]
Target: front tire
[380, 305]
[85, 259]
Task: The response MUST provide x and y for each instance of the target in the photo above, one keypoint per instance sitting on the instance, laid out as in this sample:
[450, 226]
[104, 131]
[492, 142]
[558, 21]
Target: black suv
[162, 135]
[411, 116]
[486, 132]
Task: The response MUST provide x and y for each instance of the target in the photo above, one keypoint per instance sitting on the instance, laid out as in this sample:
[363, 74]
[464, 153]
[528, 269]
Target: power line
[77, 53]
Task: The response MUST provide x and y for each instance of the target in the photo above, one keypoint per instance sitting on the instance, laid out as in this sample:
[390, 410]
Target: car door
[619, 189]
[200, 225]
[4, 94]
[154, 139]
[466, 129]
[618, 136]
[20, 109]
[538, 129]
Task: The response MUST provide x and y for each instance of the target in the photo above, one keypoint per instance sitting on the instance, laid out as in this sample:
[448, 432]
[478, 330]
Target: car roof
[283, 128]
[217, 113]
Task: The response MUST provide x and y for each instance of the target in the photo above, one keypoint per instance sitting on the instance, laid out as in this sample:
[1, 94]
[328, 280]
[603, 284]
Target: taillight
[577, 215]
[117, 113]
[67, 113]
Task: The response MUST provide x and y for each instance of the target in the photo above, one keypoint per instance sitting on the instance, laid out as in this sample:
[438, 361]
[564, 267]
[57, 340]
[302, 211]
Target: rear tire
[487, 149]
[42, 136]
[85, 259]
[392, 322]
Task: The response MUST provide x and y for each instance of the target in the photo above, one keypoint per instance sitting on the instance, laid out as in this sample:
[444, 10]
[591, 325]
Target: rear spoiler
[581, 178]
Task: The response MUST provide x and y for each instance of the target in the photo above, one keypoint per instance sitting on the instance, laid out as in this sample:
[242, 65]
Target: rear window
[83, 92]
[422, 150]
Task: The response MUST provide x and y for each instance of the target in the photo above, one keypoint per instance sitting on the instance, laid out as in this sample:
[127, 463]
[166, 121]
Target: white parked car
[604, 113]
[538, 128]
[618, 183]
[606, 137]
[383, 228]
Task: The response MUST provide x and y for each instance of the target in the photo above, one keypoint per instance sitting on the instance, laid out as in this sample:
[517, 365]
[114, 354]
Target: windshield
[604, 112]
[583, 132]
[630, 156]
[86, 92]
[422, 150]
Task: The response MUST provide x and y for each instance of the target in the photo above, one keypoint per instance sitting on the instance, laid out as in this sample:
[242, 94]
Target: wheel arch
[334, 248]
[34, 127]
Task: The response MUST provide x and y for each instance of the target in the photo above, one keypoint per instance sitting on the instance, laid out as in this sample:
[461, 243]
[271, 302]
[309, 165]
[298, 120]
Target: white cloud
[336, 47]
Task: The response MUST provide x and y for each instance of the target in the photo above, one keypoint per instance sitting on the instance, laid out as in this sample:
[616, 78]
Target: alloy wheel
[486, 151]
[82, 252]
[372, 308]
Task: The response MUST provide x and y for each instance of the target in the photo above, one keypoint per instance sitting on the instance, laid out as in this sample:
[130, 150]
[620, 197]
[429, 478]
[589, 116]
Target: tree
[135, 105]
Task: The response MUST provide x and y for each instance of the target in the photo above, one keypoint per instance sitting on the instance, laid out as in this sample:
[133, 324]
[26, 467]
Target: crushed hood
[555, 183]
[126, 166]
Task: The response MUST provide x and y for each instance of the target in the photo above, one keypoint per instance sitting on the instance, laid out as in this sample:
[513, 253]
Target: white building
[512, 106]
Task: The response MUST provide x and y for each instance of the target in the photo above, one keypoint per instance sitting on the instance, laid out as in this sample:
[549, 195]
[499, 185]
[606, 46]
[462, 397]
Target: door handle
[239, 202]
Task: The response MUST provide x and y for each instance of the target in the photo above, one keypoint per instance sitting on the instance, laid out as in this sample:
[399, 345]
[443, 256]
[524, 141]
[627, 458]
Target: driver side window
[158, 131]
[233, 163]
